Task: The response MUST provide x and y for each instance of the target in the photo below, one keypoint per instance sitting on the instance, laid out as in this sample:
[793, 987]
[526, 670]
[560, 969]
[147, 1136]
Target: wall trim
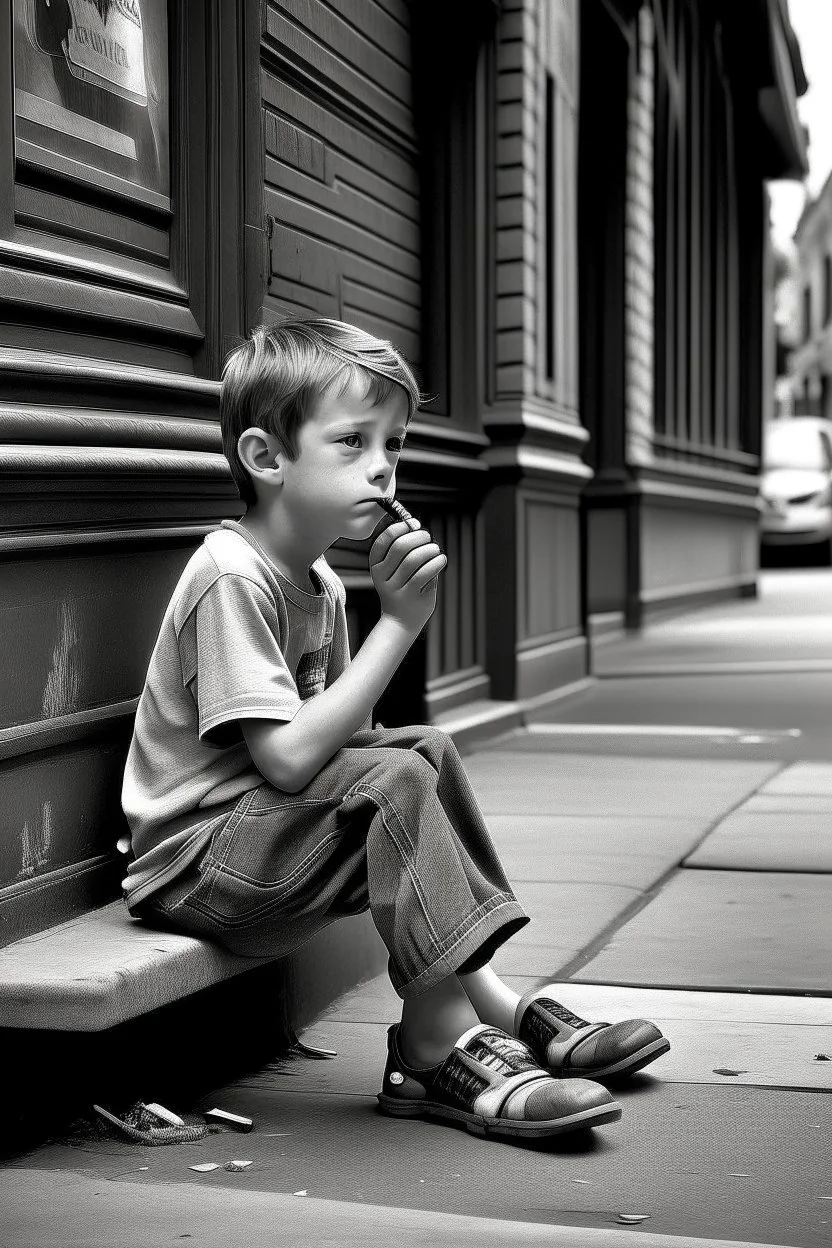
[60, 730]
[38, 368]
[536, 462]
[56, 539]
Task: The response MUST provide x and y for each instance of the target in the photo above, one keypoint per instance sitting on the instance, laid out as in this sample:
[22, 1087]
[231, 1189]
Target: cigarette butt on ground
[237, 1121]
[165, 1115]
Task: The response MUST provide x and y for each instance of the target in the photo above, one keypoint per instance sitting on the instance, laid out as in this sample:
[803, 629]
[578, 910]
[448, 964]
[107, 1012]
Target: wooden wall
[339, 159]
[341, 182]
[367, 144]
[533, 545]
[672, 248]
[116, 306]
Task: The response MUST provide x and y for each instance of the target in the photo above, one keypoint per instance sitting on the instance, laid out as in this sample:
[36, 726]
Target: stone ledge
[103, 968]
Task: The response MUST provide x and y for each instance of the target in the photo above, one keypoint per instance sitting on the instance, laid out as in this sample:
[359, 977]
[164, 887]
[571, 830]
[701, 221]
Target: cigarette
[395, 509]
[237, 1121]
[165, 1115]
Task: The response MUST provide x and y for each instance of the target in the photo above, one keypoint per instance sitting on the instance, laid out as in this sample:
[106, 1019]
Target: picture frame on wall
[92, 94]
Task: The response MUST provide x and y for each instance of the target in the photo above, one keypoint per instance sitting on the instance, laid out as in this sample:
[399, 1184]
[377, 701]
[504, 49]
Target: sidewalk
[671, 836]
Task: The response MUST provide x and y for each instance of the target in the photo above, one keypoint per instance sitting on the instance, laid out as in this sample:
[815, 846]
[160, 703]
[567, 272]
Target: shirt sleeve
[240, 668]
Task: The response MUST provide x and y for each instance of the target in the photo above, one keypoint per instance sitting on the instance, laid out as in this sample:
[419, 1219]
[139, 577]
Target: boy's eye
[355, 441]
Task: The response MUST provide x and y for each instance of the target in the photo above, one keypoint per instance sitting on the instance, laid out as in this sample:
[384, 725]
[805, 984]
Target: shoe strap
[494, 1099]
[567, 1032]
[482, 1060]
[557, 1051]
[546, 992]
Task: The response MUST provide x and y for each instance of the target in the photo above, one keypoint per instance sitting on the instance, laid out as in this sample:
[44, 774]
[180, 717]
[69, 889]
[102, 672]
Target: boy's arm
[404, 564]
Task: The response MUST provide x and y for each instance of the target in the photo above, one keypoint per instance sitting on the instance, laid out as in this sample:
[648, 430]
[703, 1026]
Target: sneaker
[570, 1047]
[493, 1084]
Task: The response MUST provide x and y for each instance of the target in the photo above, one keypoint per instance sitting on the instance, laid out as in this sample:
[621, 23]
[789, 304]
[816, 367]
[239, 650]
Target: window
[121, 175]
[827, 289]
[807, 312]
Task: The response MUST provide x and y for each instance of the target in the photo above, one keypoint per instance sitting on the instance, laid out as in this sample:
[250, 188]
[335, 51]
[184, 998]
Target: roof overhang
[786, 156]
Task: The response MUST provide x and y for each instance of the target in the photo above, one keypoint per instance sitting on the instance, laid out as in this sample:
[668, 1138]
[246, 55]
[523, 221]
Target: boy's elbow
[281, 775]
[276, 764]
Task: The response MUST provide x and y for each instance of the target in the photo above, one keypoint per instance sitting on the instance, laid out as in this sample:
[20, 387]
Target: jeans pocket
[257, 878]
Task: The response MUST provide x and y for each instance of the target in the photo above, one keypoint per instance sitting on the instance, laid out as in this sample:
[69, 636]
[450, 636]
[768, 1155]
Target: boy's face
[347, 456]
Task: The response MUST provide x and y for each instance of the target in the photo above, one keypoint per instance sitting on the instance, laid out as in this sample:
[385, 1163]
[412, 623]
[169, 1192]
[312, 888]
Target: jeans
[389, 824]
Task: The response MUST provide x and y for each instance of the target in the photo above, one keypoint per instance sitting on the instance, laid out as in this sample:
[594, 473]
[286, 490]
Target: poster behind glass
[91, 92]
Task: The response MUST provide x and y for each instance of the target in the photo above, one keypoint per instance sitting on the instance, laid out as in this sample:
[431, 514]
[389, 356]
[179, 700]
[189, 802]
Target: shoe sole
[627, 1065]
[479, 1125]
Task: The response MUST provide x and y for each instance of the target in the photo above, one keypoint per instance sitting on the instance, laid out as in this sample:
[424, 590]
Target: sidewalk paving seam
[648, 895]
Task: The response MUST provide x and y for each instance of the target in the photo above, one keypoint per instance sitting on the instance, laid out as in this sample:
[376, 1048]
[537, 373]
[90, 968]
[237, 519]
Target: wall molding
[78, 726]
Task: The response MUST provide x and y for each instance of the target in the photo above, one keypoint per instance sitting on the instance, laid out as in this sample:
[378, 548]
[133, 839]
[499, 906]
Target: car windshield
[791, 444]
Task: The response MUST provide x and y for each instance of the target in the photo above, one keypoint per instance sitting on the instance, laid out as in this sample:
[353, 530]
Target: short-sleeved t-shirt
[239, 640]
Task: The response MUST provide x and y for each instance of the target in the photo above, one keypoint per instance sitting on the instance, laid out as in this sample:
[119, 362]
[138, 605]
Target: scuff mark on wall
[60, 694]
[35, 844]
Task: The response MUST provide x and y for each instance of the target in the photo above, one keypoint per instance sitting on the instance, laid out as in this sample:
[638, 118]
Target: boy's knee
[407, 771]
[435, 743]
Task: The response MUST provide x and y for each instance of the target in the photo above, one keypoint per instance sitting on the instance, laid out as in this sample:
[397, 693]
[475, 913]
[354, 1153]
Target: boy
[263, 805]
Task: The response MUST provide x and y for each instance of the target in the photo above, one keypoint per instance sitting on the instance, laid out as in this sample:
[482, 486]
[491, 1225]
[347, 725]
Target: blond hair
[273, 379]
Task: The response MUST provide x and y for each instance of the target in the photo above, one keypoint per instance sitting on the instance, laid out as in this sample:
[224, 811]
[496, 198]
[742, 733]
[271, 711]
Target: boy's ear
[260, 453]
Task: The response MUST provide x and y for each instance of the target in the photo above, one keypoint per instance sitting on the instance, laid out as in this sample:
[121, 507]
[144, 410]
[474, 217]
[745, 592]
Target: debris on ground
[205, 1166]
[234, 1167]
[298, 1046]
[722, 1070]
[164, 1115]
[238, 1121]
[302, 1192]
[140, 1126]
[632, 1219]
[823, 1057]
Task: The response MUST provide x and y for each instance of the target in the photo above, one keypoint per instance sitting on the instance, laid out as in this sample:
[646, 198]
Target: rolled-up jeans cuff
[474, 948]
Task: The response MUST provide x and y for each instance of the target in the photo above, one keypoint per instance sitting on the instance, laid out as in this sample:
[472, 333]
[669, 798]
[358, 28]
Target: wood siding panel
[336, 53]
[61, 810]
[536, 222]
[63, 613]
[701, 241]
[342, 189]
[548, 599]
[453, 643]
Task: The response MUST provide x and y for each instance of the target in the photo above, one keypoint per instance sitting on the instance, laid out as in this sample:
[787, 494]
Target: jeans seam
[250, 916]
[228, 831]
[383, 801]
[300, 870]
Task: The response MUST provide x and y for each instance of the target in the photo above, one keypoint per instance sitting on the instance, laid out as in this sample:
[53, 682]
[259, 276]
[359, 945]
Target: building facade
[809, 363]
[557, 210]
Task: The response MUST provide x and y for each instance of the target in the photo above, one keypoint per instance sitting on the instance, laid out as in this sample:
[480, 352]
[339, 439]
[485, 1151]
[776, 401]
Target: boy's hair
[273, 379]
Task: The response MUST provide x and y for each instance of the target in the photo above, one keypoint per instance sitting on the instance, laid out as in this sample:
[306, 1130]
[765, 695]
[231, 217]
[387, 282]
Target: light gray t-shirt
[238, 641]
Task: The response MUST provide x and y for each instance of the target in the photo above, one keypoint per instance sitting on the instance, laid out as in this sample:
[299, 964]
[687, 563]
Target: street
[668, 829]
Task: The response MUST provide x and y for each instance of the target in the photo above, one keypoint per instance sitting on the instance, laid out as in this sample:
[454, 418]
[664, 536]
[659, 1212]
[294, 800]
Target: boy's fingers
[388, 536]
[425, 575]
[413, 565]
[401, 548]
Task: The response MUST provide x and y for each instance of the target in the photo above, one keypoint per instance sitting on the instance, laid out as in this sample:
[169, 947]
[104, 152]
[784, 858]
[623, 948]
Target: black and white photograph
[416, 623]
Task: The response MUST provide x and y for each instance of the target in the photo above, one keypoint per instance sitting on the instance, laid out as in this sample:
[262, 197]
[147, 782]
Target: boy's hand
[405, 566]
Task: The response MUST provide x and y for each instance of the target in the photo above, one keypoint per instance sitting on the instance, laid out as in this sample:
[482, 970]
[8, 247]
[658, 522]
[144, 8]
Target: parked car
[796, 486]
